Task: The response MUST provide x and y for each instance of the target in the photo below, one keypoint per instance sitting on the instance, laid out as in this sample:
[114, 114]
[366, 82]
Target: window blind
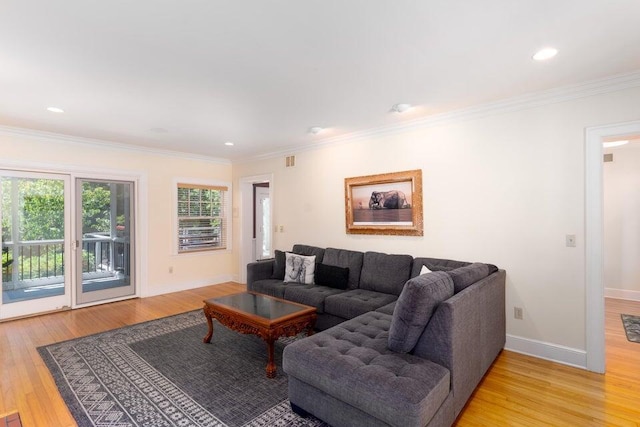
[202, 224]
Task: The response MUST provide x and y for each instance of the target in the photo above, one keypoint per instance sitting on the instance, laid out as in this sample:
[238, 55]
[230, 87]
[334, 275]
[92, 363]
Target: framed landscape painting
[389, 203]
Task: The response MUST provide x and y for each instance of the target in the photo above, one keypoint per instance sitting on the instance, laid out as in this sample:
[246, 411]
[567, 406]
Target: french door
[35, 224]
[65, 242]
[104, 230]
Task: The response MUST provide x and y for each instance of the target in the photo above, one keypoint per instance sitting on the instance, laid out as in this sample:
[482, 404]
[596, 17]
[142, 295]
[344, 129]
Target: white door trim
[594, 235]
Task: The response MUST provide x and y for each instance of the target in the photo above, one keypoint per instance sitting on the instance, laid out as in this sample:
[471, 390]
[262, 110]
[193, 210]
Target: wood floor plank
[522, 390]
[519, 390]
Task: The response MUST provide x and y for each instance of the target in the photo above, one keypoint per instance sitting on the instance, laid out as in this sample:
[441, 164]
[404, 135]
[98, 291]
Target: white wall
[622, 222]
[504, 188]
[159, 173]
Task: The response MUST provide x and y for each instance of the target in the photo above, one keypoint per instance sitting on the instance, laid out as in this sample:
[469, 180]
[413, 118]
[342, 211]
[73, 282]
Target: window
[202, 217]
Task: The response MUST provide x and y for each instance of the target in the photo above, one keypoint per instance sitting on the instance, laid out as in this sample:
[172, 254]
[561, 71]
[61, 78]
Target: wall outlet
[517, 313]
[170, 269]
[571, 240]
[282, 228]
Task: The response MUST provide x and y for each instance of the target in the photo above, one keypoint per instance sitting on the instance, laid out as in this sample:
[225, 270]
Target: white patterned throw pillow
[299, 268]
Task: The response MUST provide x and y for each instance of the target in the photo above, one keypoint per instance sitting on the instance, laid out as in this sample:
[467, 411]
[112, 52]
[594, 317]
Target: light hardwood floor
[518, 390]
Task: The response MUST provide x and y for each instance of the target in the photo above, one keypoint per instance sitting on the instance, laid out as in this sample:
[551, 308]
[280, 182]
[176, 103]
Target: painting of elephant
[393, 199]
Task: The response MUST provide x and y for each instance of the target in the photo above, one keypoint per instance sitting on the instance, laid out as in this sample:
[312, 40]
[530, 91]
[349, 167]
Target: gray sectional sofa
[397, 347]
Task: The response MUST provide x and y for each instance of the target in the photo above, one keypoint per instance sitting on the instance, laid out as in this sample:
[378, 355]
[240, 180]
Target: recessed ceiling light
[612, 144]
[229, 144]
[55, 109]
[315, 130]
[546, 53]
[400, 108]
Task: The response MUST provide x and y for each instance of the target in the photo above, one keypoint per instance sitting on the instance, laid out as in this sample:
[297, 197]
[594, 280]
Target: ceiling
[190, 75]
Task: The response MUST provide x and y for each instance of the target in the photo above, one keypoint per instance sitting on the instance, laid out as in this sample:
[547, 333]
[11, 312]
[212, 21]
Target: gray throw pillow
[467, 275]
[417, 302]
[279, 265]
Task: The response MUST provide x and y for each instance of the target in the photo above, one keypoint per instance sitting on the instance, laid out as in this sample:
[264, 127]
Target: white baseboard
[544, 350]
[176, 287]
[622, 294]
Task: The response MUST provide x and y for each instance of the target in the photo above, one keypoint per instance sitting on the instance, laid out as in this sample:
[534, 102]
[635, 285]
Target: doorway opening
[66, 241]
[252, 220]
[594, 238]
[621, 201]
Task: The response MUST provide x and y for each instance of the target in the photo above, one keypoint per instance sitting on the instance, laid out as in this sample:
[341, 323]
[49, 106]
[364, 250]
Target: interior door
[105, 246]
[263, 223]
[35, 219]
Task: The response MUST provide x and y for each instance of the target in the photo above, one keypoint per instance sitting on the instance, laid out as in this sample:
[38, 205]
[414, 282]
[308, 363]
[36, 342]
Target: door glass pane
[266, 228]
[33, 264]
[106, 244]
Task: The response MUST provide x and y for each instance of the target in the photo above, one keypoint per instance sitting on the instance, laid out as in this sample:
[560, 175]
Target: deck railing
[44, 261]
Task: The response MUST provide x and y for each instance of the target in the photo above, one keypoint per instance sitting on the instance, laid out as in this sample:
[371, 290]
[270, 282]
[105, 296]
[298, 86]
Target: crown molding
[104, 144]
[523, 102]
[531, 100]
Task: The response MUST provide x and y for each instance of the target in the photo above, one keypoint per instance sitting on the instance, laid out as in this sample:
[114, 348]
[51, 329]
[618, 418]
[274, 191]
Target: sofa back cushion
[435, 264]
[347, 259]
[467, 275]
[385, 273]
[417, 302]
[308, 251]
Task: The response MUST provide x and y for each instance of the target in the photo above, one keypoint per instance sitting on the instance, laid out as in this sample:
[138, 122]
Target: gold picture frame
[386, 204]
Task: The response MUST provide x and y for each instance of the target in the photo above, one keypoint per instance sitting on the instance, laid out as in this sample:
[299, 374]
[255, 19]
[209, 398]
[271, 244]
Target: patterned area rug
[160, 373]
[631, 327]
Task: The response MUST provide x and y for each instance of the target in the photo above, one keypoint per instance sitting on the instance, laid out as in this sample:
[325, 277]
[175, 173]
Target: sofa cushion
[332, 276]
[467, 275]
[299, 268]
[308, 251]
[312, 295]
[346, 258]
[279, 264]
[388, 309]
[435, 264]
[352, 363]
[385, 273]
[356, 302]
[272, 287]
[417, 302]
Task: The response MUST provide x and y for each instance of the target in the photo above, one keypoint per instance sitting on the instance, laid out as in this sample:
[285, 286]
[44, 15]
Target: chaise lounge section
[398, 348]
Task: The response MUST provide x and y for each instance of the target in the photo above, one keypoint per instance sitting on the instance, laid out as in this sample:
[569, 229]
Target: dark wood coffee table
[267, 317]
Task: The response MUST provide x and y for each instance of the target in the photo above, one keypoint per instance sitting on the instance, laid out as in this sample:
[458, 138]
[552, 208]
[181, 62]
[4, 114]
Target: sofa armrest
[466, 333]
[259, 270]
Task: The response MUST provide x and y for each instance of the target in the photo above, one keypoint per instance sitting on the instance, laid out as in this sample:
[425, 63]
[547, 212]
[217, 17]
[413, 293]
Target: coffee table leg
[207, 338]
[271, 365]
